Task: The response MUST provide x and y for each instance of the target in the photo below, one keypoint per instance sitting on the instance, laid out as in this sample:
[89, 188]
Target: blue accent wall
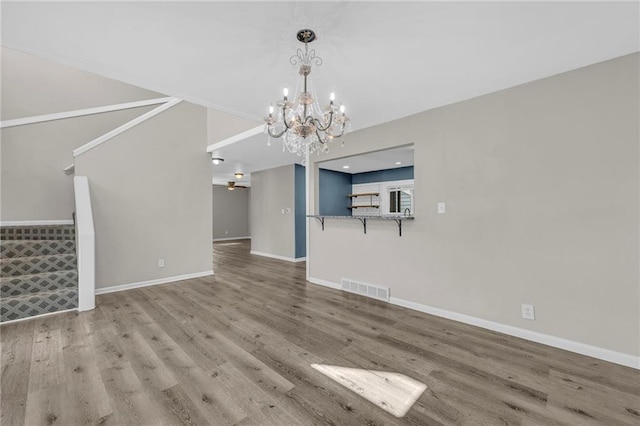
[300, 204]
[333, 190]
[401, 173]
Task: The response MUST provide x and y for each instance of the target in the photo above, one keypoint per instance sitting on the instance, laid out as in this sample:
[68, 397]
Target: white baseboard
[215, 240]
[546, 339]
[275, 256]
[35, 222]
[141, 284]
[534, 336]
[325, 283]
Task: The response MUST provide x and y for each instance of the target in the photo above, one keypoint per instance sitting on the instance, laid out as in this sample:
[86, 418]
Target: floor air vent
[375, 292]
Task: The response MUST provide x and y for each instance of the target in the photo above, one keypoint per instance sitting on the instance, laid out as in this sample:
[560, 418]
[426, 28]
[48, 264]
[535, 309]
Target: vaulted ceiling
[384, 60]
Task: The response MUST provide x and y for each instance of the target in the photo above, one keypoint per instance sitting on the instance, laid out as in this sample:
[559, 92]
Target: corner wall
[152, 199]
[334, 187]
[272, 231]
[33, 184]
[230, 213]
[541, 184]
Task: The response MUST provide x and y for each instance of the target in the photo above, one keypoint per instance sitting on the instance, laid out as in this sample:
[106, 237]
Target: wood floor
[236, 349]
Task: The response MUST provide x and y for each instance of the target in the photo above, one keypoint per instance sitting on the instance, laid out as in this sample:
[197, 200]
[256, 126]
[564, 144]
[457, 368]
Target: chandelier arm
[284, 120]
[318, 123]
[339, 135]
[275, 135]
[342, 129]
[308, 119]
[320, 139]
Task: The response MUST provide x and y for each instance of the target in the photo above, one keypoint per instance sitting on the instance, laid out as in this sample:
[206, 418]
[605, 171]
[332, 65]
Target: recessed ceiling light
[345, 167]
[238, 175]
[217, 160]
[398, 163]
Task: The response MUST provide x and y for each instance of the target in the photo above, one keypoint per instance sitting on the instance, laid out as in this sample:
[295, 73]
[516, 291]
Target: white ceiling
[378, 160]
[384, 60]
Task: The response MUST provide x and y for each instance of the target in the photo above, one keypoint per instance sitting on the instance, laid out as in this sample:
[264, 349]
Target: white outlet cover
[441, 208]
[528, 312]
[160, 263]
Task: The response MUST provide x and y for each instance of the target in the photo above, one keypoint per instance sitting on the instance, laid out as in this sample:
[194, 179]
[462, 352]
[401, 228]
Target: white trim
[324, 283]
[70, 169]
[149, 283]
[545, 339]
[115, 132]
[307, 207]
[80, 112]
[85, 245]
[275, 256]
[38, 316]
[215, 240]
[36, 222]
[235, 138]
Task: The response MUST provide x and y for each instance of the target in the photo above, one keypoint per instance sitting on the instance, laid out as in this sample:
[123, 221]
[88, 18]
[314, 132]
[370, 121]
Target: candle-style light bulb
[286, 93]
[270, 110]
[342, 109]
[332, 97]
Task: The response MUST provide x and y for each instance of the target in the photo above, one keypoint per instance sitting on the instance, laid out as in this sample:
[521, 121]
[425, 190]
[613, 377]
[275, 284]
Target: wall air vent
[363, 289]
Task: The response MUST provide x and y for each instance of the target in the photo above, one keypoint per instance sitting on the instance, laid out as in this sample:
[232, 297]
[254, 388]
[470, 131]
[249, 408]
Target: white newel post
[85, 239]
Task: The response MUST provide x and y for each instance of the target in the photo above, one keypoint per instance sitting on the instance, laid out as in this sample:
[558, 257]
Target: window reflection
[401, 200]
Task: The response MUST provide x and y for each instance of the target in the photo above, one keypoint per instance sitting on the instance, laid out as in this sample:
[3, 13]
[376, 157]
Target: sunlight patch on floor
[393, 392]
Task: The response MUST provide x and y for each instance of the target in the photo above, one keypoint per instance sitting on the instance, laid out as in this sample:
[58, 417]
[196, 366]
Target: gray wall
[151, 198]
[33, 186]
[36, 86]
[333, 189]
[541, 186]
[271, 231]
[230, 212]
[222, 125]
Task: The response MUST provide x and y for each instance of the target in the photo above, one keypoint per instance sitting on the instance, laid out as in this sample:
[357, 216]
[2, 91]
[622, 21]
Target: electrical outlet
[528, 312]
[160, 263]
[226, 232]
[441, 208]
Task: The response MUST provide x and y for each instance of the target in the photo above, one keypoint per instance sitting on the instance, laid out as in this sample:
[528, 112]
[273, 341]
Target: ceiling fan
[231, 185]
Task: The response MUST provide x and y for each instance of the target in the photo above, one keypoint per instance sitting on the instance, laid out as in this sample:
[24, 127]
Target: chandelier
[300, 121]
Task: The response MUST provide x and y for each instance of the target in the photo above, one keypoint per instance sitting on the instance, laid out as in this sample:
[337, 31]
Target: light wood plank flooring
[236, 349]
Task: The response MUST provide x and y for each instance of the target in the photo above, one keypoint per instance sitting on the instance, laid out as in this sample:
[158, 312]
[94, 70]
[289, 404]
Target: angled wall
[152, 199]
[33, 185]
[222, 125]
